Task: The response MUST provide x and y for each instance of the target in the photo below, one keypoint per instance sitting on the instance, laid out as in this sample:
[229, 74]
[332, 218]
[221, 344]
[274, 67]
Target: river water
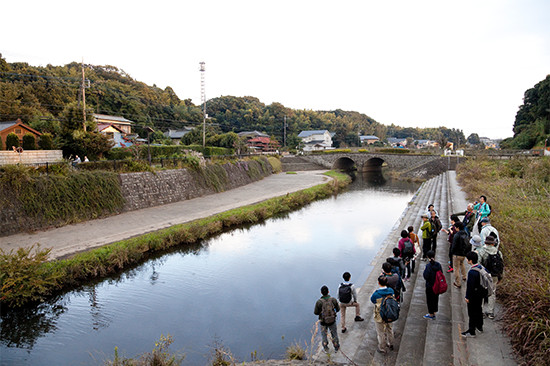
[251, 290]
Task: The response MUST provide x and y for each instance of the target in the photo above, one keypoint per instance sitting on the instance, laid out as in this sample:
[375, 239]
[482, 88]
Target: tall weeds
[519, 194]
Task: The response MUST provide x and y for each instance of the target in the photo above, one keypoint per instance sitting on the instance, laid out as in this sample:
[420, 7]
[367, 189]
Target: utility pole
[284, 133]
[203, 100]
[83, 97]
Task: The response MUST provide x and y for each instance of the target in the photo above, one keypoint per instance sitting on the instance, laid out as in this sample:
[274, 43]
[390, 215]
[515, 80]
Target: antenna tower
[203, 101]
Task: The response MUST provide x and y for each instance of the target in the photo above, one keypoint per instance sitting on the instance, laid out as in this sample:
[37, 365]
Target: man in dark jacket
[322, 304]
[474, 297]
[469, 218]
[436, 228]
[461, 246]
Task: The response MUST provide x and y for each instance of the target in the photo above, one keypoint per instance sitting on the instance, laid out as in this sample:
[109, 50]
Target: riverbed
[250, 290]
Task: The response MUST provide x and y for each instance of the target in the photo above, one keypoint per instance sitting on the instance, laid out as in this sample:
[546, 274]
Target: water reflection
[249, 279]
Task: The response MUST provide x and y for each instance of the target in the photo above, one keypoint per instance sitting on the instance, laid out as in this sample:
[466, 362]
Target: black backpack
[408, 250]
[494, 265]
[344, 293]
[389, 309]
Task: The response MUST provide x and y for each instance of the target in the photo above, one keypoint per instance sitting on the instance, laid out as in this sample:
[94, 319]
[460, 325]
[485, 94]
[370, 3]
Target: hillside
[40, 96]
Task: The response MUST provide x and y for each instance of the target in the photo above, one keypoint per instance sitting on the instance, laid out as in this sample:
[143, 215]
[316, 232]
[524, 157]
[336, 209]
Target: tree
[46, 142]
[12, 141]
[473, 139]
[29, 142]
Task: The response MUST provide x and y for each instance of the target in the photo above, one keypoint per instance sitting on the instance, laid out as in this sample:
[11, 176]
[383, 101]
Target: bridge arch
[373, 165]
[344, 163]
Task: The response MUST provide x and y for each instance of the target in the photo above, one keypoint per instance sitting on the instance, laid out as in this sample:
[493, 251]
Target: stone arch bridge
[414, 165]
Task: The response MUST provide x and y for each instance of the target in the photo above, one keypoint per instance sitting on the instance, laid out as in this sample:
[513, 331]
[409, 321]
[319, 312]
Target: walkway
[418, 341]
[75, 238]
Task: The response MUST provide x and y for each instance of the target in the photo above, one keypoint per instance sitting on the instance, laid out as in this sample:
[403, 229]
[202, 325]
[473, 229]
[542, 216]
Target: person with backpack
[469, 218]
[488, 229]
[461, 246]
[383, 297]
[407, 251]
[491, 258]
[482, 211]
[475, 293]
[426, 236]
[416, 243]
[327, 307]
[347, 295]
[436, 228]
[394, 280]
[397, 262]
[430, 274]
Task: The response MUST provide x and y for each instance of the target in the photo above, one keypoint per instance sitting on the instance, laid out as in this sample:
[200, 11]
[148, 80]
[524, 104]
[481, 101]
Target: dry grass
[519, 194]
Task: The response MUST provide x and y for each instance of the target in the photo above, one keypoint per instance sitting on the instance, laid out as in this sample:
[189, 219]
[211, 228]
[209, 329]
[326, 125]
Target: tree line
[47, 99]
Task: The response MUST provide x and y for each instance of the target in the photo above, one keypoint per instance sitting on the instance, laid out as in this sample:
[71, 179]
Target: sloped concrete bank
[418, 341]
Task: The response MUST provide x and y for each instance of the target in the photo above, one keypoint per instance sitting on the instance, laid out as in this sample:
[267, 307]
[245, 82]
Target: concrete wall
[30, 157]
[143, 189]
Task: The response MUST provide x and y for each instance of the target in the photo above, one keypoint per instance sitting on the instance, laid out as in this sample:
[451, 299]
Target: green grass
[518, 191]
[26, 276]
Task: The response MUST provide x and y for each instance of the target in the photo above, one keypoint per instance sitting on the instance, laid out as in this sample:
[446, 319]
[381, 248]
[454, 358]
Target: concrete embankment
[417, 340]
[95, 233]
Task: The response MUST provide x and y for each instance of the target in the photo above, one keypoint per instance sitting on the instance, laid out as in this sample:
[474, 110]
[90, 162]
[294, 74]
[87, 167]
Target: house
[17, 127]
[251, 134]
[262, 145]
[316, 140]
[368, 139]
[397, 142]
[489, 143]
[176, 135]
[421, 144]
[123, 124]
[115, 133]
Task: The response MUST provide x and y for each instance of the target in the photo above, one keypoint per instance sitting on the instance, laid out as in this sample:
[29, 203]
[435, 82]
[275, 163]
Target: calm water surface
[251, 290]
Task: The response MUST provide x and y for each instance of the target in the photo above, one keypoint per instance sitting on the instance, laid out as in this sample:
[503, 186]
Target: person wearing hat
[460, 247]
[476, 242]
[487, 229]
[491, 258]
[426, 235]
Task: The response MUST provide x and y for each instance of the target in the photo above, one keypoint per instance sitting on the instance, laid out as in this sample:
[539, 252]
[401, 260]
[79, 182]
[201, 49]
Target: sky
[459, 64]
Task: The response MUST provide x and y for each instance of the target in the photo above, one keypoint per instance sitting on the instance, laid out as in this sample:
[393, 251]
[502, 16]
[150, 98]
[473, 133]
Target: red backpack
[440, 284]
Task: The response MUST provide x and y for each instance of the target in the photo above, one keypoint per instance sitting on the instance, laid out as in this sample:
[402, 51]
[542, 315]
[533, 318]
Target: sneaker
[381, 351]
[344, 330]
[325, 348]
[358, 319]
[455, 285]
[467, 334]
[336, 348]
[450, 270]
[428, 316]
[491, 316]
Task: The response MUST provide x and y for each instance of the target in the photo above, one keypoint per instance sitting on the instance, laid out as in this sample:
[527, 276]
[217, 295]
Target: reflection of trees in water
[370, 179]
[22, 327]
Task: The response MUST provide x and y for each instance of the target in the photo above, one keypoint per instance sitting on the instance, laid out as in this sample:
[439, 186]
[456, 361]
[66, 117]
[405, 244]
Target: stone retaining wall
[146, 189]
[30, 157]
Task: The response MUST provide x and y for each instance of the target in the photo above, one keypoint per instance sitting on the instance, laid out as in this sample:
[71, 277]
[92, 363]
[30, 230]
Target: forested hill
[40, 96]
[532, 124]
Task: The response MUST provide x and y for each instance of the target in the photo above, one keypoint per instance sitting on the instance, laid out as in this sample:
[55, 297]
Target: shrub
[11, 141]
[276, 165]
[295, 352]
[29, 142]
[393, 151]
[46, 142]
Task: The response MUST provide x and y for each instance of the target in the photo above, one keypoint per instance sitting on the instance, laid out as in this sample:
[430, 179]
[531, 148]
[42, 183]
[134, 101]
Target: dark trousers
[413, 262]
[450, 255]
[426, 246]
[432, 300]
[434, 243]
[475, 315]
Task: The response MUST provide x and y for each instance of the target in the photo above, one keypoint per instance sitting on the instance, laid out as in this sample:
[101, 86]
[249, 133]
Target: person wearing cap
[487, 229]
[489, 248]
[483, 210]
[426, 235]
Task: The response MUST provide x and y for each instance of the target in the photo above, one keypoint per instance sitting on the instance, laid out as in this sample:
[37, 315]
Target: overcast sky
[460, 64]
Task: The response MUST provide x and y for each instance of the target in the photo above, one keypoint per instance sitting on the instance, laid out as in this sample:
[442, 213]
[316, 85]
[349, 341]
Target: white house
[368, 139]
[316, 140]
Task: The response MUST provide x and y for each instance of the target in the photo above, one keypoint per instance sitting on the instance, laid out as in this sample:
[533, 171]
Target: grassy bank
[518, 191]
[27, 277]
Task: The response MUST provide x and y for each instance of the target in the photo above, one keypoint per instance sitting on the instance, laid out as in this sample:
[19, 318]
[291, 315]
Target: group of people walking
[480, 251]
